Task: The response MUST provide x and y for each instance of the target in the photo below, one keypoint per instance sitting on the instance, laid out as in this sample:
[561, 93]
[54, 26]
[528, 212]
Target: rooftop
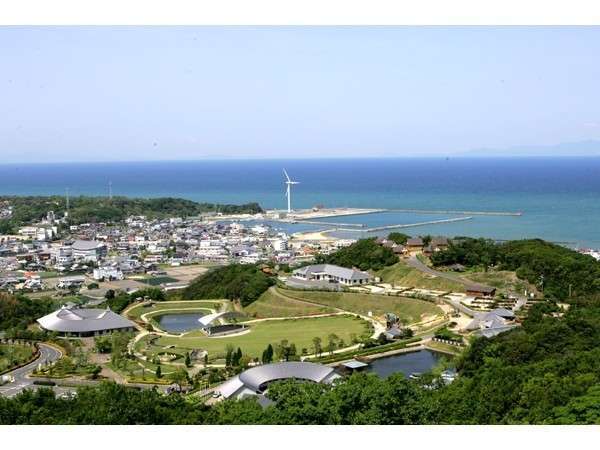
[333, 270]
[84, 320]
[254, 380]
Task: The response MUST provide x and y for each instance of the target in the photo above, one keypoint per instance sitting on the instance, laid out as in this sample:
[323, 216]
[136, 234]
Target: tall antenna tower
[67, 212]
[110, 189]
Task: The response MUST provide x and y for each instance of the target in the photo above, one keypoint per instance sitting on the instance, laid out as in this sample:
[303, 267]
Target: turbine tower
[288, 192]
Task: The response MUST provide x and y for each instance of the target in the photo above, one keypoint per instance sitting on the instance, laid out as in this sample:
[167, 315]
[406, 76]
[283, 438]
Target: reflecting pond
[415, 362]
[179, 322]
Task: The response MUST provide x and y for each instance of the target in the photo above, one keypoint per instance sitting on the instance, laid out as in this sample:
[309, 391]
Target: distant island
[84, 209]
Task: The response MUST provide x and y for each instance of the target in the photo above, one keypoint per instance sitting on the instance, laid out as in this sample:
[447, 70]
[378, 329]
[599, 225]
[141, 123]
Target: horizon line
[212, 159]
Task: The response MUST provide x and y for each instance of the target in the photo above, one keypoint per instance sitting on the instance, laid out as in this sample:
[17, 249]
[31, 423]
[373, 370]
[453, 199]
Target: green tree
[267, 355]
[398, 238]
[317, 346]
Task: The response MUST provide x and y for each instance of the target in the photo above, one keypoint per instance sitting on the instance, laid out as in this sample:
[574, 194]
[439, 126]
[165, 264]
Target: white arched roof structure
[84, 320]
[207, 320]
[255, 380]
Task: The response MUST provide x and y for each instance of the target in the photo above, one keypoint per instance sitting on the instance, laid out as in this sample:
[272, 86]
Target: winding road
[47, 354]
[416, 263]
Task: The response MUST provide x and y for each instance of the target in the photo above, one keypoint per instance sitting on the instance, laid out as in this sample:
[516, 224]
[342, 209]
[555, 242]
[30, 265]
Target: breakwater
[412, 225]
[454, 211]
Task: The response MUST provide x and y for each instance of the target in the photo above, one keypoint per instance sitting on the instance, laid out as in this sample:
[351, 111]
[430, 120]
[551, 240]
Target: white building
[62, 256]
[88, 250]
[280, 245]
[108, 273]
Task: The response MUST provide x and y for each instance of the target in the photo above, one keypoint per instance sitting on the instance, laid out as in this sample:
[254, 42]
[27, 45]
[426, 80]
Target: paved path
[47, 354]
[415, 263]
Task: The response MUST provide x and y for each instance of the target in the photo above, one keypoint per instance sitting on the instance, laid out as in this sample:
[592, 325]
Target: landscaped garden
[299, 332]
[409, 310]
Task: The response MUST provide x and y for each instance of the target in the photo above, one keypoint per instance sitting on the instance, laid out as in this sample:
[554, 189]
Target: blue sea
[557, 196]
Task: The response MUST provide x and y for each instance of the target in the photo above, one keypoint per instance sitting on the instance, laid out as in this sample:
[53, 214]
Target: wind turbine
[288, 192]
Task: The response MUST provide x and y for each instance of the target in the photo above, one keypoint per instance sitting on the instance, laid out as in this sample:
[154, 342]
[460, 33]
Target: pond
[415, 362]
[179, 322]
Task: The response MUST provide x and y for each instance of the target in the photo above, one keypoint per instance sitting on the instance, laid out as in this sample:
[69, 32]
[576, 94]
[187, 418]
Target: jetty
[411, 225]
[333, 224]
[454, 211]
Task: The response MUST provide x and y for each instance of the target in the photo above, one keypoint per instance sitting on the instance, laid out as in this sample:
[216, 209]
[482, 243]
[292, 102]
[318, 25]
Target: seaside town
[38, 258]
[195, 304]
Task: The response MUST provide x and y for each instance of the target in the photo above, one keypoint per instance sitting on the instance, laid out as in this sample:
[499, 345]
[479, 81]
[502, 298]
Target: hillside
[364, 254]
[243, 282]
[402, 275]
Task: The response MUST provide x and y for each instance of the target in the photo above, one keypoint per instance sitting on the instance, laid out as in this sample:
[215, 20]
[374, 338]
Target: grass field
[11, 355]
[297, 331]
[503, 280]
[403, 275]
[202, 306]
[408, 309]
[274, 304]
[155, 281]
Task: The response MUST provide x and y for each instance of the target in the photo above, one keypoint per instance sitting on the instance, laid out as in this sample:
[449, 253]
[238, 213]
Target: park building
[492, 323]
[255, 381]
[82, 322]
[332, 273]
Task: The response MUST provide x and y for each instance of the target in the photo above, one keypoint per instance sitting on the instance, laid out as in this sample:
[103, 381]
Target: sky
[189, 93]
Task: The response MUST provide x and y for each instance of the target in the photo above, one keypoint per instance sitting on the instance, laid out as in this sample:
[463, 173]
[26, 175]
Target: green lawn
[408, 309]
[274, 304]
[190, 306]
[12, 355]
[297, 331]
[403, 275]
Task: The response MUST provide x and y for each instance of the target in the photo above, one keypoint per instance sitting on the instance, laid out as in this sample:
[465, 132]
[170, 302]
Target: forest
[85, 209]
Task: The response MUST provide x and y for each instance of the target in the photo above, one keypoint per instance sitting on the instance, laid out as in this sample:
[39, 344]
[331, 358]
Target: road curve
[47, 354]
[415, 263]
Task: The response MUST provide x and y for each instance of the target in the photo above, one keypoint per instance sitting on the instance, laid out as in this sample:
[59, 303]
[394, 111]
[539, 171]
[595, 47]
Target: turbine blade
[286, 175]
